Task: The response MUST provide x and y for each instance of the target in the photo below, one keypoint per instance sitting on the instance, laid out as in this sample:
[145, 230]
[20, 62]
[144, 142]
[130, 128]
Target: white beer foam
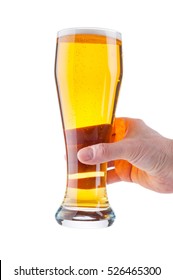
[98, 31]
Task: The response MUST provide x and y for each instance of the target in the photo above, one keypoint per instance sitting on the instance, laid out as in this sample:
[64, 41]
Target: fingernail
[85, 154]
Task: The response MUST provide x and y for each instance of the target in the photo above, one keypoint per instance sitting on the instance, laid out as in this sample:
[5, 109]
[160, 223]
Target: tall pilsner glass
[88, 73]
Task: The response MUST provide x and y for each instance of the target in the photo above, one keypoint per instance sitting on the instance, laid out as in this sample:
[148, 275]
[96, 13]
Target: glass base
[78, 217]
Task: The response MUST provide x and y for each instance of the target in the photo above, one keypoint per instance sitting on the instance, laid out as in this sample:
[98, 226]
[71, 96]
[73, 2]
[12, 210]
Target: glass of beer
[88, 73]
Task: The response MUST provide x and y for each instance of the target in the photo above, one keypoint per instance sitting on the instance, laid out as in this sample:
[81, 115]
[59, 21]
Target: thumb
[148, 156]
[105, 152]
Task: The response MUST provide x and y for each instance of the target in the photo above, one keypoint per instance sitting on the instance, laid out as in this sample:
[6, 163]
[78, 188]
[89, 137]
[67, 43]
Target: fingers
[119, 129]
[121, 170]
[112, 176]
[111, 164]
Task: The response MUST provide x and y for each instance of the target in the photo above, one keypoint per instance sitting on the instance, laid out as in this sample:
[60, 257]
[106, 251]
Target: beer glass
[88, 73]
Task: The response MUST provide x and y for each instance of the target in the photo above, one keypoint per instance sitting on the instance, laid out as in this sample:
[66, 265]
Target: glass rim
[90, 30]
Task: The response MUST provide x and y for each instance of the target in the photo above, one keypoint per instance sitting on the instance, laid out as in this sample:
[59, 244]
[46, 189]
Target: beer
[88, 73]
[85, 183]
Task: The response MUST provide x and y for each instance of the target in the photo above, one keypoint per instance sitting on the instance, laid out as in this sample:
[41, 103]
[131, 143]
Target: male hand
[138, 154]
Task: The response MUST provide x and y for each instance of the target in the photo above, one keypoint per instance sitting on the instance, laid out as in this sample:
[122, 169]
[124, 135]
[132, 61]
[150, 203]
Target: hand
[139, 155]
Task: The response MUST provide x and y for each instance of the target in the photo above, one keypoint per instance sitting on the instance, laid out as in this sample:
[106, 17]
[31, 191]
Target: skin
[136, 154]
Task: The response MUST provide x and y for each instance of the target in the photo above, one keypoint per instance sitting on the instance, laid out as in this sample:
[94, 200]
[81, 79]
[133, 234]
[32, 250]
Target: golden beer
[88, 73]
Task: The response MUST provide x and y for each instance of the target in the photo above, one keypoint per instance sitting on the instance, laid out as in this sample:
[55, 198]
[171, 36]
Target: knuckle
[134, 151]
[102, 150]
[139, 122]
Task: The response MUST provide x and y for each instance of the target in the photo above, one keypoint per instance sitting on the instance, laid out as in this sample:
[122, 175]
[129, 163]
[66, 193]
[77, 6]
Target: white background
[32, 166]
